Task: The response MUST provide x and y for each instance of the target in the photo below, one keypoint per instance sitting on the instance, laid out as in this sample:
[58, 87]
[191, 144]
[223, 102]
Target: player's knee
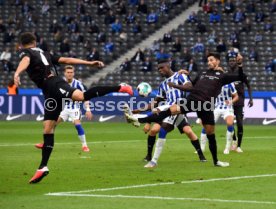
[175, 109]
[153, 131]
[78, 95]
[187, 130]
[210, 130]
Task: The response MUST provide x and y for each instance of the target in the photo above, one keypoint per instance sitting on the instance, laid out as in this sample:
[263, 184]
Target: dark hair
[161, 61]
[214, 54]
[27, 38]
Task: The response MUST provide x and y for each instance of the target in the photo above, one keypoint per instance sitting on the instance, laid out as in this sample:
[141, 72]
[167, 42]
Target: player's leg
[81, 135]
[154, 130]
[184, 127]
[48, 136]
[208, 122]
[99, 91]
[239, 119]
[75, 115]
[229, 119]
[173, 110]
[234, 142]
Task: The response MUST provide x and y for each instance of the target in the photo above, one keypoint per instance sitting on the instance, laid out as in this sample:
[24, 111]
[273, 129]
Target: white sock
[203, 140]
[83, 140]
[229, 137]
[158, 149]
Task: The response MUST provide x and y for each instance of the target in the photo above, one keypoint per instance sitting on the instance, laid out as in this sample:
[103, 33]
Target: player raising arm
[40, 67]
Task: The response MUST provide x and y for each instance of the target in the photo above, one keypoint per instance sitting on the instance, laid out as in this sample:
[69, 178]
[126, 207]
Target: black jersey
[240, 90]
[42, 64]
[209, 82]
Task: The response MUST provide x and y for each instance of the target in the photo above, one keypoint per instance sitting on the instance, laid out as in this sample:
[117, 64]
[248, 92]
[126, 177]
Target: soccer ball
[144, 89]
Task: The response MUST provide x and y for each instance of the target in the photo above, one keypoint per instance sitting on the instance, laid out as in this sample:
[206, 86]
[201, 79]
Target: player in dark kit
[40, 67]
[206, 88]
[238, 106]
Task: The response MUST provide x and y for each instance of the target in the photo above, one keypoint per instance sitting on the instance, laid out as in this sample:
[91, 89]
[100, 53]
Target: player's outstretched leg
[99, 91]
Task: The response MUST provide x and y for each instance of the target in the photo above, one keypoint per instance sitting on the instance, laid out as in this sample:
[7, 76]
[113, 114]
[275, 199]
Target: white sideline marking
[125, 141]
[161, 184]
[164, 198]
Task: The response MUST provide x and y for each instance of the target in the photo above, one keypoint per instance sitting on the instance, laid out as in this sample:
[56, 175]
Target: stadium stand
[85, 24]
[261, 79]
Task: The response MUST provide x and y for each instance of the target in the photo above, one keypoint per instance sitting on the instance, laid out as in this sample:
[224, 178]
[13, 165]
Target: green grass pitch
[78, 180]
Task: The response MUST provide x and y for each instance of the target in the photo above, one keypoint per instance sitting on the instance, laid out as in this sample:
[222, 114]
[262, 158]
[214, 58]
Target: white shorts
[70, 114]
[174, 120]
[223, 113]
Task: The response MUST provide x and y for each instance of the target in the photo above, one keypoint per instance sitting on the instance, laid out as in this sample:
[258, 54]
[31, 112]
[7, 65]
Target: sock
[229, 136]
[213, 147]
[99, 91]
[47, 149]
[151, 142]
[240, 135]
[196, 145]
[234, 135]
[155, 117]
[158, 149]
[81, 134]
[203, 139]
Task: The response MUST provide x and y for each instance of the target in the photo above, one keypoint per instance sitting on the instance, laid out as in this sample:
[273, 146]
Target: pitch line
[161, 184]
[125, 141]
[165, 198]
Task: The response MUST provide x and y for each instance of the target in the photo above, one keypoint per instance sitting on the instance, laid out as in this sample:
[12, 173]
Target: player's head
[232, 59]
[27, 39]
[69, 72]
[164, 67]
[213, 60]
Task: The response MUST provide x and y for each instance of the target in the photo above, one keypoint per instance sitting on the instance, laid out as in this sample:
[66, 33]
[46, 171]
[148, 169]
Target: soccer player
[40, 67]
[224, 108]
[72, 109]
[238, 106]
[206, 87]
[171, 96]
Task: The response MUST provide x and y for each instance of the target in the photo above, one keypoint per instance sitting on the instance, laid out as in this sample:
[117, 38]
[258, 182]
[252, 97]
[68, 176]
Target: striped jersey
[172, 95]
[74, 105]
[226, 94]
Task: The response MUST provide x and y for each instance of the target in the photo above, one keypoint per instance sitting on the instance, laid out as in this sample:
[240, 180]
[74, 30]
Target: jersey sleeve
[183, 79]
[233, 89]
[24, 53]
[81, 87]
[54, 59]
[160, 93]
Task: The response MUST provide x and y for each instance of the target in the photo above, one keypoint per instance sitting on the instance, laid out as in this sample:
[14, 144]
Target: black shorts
[206, 116]
[238, 111]
[55, 89]
[182, 124]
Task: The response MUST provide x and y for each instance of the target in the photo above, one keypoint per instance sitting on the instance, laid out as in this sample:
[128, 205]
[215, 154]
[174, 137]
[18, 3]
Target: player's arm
[74, 61]
[88, 113]
[23, 65]
[188, 86]
[247, 83]
[150, 106]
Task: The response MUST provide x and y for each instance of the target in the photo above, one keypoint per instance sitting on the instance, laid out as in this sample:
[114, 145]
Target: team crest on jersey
[62, 90]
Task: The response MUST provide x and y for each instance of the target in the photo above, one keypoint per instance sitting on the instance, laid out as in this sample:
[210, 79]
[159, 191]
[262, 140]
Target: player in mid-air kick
[72, 110]
[206, 87]
[40, 66]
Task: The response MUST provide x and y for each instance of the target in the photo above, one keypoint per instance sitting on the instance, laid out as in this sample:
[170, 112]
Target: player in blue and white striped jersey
[72, 109]
[224, 108]
[171, 96]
